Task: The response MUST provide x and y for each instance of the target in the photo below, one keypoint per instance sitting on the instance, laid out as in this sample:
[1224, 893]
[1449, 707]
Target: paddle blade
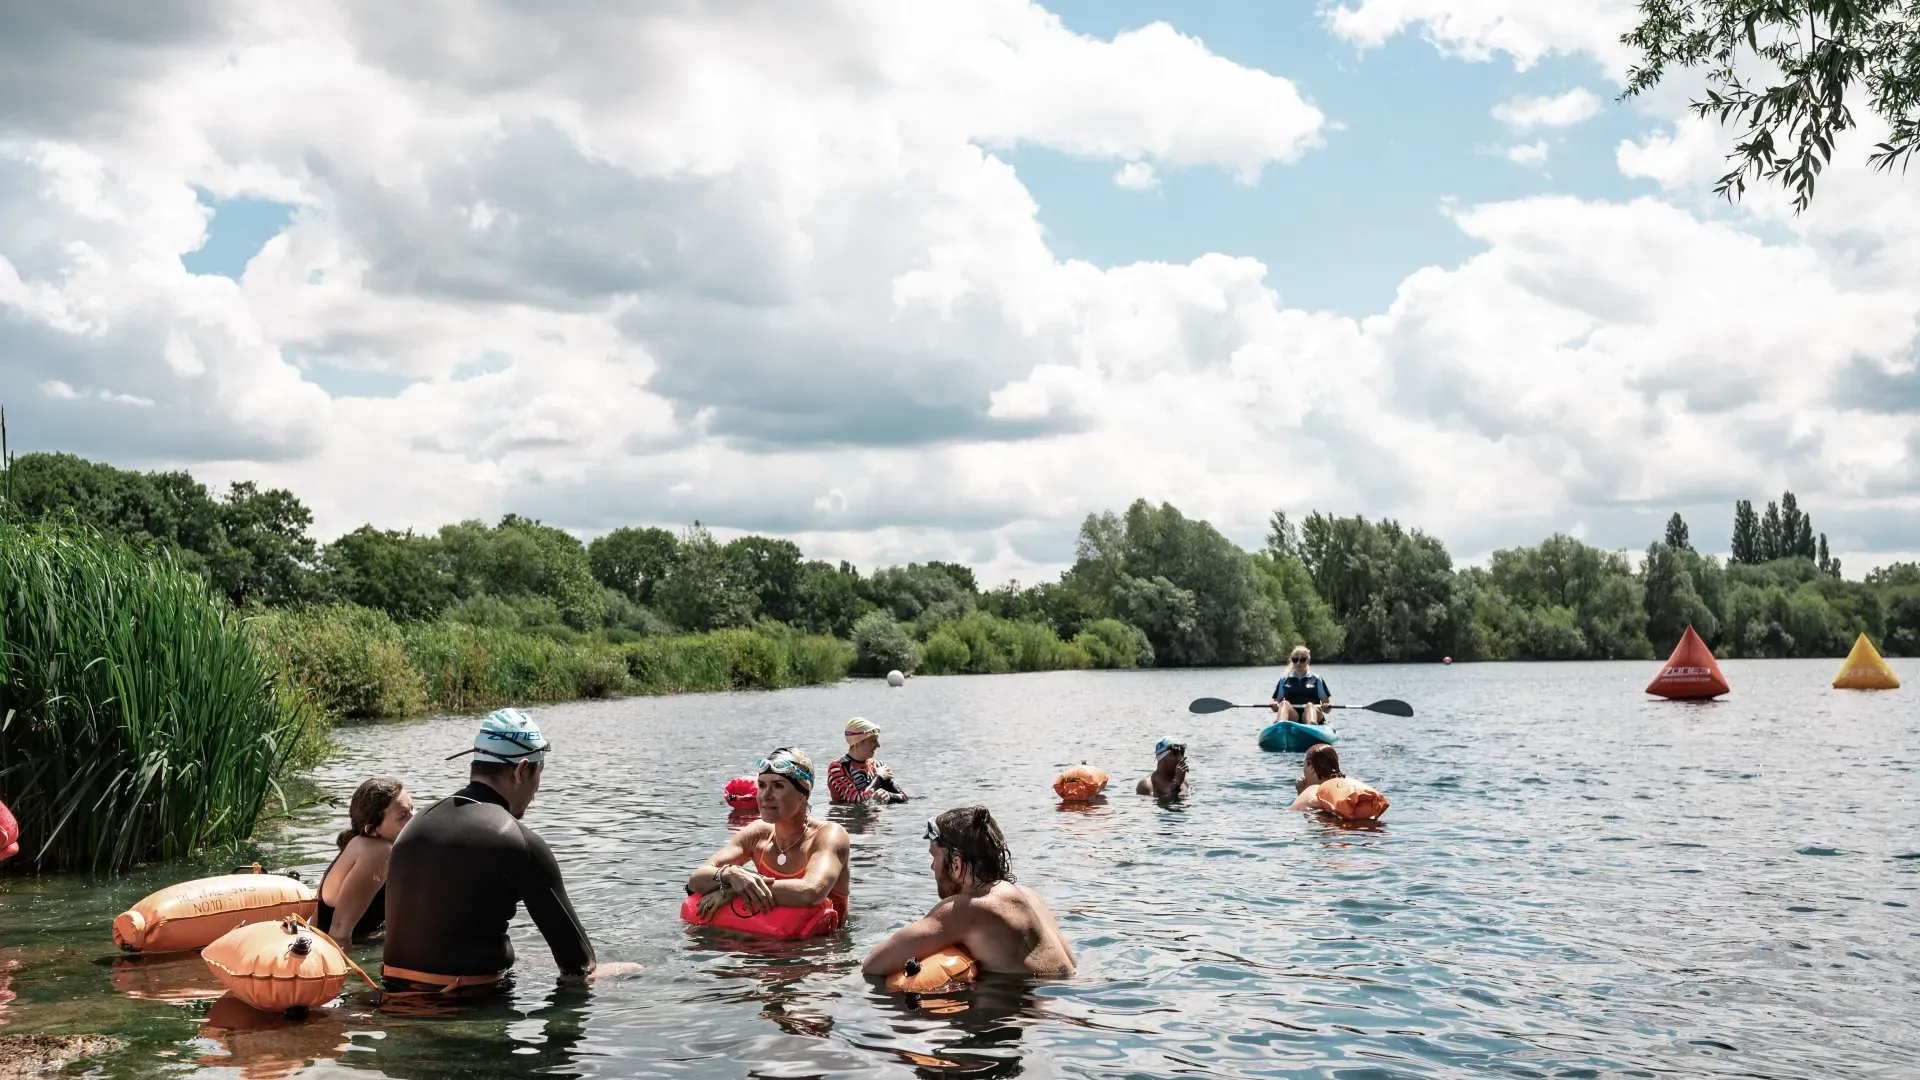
[1390, 706]
[1209, 705]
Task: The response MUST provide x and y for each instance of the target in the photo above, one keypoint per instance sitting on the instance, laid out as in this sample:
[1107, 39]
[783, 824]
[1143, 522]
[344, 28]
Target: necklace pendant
[781, 859]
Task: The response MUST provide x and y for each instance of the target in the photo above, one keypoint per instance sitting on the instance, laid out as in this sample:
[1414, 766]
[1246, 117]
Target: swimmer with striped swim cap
[786, 859]
[460, 869]
[857, 777]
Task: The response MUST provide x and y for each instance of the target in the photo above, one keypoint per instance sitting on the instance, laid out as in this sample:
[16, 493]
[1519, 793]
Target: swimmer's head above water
[786, 783]
[968, 850]
[509, 755]
[863, 738]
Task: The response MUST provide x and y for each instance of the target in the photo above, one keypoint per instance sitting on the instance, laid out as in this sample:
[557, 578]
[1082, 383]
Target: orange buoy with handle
[194, 914]
[281, 965]
[1345, 797]
[1865, 669]
[1080, 783]
[1691, 673]
[9, 834]
[949, 969]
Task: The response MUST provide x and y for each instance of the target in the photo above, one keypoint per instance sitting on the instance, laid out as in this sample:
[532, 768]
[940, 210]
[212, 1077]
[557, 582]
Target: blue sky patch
[239, 229]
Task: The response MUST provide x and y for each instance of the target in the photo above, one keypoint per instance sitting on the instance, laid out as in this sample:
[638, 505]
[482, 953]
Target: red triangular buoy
[1691, 672]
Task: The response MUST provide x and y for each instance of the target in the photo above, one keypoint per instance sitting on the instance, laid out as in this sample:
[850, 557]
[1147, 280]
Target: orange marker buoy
[1864, 669]
[1345, 797]
[1691, 673]
[276, 966]
[1080, 783]
[193, 914]
[949, 969]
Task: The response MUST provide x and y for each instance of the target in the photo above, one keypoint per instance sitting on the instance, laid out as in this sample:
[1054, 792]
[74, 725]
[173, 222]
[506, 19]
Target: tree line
[1148, 586]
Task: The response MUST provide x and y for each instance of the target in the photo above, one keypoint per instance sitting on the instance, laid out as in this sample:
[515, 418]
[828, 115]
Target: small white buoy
[894, 678]
[1446, 660]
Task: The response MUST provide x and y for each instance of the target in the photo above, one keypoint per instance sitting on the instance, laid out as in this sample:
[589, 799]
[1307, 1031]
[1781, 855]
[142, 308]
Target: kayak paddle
[1389, 706]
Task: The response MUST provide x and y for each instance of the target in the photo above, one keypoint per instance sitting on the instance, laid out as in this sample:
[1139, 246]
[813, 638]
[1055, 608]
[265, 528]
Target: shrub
[350, 658]
[139, 720]
[944, 654]
[881, 644]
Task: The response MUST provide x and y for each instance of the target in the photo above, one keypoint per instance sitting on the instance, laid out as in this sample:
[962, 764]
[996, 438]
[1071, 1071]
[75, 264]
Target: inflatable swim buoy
[1080, 783]
[1345, 797]
[1290, 737]
[1863, 669]
[1691, 673]
[743, 792]
[781, 922]
[276, 966]
[949, 969]
[9, 834]
[194, 914]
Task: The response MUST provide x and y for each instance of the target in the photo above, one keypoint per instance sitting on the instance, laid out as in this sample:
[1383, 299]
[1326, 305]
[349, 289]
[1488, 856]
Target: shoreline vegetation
[151, 625]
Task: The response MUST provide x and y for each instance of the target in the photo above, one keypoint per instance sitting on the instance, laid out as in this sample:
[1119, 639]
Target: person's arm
[915, 941]
[1145, 786]
[361, 879]
[823, 871]
[706, 876]
[841, 785]
[545, 896]
[1326, 693]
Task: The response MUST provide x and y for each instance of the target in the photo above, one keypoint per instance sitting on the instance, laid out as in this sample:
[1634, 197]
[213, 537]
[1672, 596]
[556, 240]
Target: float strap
[443, 984]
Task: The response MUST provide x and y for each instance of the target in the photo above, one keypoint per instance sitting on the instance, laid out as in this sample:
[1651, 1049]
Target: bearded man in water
[1006, 927]
[785, 859]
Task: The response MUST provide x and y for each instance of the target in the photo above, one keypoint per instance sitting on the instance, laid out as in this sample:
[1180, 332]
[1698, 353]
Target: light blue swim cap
[1166, 745]
[508, 737]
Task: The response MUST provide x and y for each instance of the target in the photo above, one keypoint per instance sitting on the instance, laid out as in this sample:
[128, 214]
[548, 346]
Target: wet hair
[496, 770]
[972, 834]
[369, 808]
[1325, 761]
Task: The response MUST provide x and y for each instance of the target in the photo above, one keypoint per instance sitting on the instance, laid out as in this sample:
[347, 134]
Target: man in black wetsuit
[459, 869]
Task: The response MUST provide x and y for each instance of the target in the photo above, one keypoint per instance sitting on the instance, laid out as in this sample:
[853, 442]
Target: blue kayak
[1287, 737]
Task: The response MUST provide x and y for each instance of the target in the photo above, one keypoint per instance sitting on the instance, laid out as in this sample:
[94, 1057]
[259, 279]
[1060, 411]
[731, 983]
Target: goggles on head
[780, 764]
[933, 833]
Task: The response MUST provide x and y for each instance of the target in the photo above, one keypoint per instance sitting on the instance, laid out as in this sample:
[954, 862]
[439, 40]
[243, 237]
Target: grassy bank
[357, 663]
[138, 721]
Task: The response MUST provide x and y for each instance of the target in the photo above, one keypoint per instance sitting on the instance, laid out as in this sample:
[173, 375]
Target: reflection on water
[1572, 881]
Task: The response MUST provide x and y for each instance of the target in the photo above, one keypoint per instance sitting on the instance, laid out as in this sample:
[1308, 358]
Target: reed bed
[138, 720]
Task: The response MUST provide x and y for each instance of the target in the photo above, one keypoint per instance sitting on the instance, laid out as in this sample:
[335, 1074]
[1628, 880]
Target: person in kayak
[786, 859]
[458, 872]
[1302, 696]
[353, 891]
[1322, 763]
[1168, 780]
[1006, 927]
[856, 777]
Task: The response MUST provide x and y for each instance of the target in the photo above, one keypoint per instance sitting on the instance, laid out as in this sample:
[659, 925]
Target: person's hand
[714, 901]
[752, 888]
[883, 773]
[617, 970]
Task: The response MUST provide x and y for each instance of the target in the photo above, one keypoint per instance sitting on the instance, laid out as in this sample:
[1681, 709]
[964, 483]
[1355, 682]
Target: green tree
[1672, 602]
[1597, 588]
[521, 558]
[633, 561]
[770, 570]
[1809, 55]
[706, 588]
[267, 555]
[930, 592]
[1390, 587]
[829, 600]
[1677, 533]
[401, 574]
[1772, 544]
[1746, 533]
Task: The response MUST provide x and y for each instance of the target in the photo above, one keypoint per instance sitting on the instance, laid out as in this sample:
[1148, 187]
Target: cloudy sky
[909, 279]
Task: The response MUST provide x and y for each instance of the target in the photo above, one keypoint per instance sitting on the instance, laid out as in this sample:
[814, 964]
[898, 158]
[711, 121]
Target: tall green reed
[138, 721]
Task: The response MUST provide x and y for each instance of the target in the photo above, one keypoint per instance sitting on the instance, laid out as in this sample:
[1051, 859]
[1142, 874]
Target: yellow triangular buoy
[1865, 670]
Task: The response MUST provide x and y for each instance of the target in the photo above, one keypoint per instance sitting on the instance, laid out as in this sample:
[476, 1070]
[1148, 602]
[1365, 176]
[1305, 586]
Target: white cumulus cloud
[1137, 176]
[1532, 154]
[1563, 110]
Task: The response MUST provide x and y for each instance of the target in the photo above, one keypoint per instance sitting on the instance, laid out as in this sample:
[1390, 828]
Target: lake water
[1574, 880]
